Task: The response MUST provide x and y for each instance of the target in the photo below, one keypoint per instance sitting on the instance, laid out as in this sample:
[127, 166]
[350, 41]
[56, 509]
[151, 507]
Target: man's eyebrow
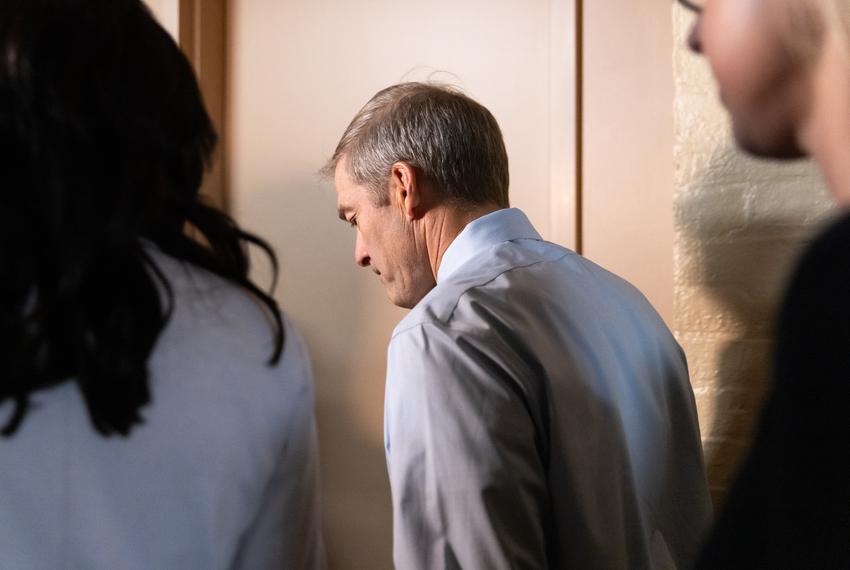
[341, 213]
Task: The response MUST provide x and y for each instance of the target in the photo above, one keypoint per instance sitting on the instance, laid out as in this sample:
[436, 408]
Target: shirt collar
[494, 228]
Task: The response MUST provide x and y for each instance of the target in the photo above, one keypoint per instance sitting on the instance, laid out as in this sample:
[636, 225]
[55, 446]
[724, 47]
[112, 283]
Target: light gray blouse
[222, 474]
[539, 415]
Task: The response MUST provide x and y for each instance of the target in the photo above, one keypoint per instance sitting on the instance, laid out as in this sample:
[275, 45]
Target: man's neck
[446, 223]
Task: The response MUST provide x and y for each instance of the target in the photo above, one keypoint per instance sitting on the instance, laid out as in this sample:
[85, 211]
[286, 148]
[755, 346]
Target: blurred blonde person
[783, 68]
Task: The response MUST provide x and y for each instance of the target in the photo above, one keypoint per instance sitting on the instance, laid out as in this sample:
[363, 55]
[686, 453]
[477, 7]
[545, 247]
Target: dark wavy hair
[104, 142]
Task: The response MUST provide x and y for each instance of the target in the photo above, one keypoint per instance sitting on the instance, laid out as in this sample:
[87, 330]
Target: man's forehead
[342, 179]
[348, 192]
[341, 183]
[342, 207]
[346, 196]
[341, 170]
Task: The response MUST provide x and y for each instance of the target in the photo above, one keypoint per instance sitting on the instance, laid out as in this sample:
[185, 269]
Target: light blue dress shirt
[539, 415]
[222, 474]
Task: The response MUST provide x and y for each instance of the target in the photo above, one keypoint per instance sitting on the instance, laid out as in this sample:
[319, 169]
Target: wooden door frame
[203, 38]
[565, 140]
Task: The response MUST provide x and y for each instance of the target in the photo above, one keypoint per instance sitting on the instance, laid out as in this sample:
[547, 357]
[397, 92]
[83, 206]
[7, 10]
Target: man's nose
[361, 256]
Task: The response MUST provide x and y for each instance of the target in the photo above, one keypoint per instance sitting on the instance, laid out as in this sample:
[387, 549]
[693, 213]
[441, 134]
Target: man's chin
[405, 299]
[401, 301]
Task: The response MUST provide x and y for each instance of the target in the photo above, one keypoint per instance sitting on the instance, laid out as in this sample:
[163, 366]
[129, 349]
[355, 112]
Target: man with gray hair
[538, 411]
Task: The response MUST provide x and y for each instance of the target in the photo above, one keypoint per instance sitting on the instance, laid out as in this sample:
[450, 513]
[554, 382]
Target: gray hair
[451, 139]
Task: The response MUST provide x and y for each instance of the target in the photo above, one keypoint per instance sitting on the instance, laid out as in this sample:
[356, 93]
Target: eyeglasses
[692, 5]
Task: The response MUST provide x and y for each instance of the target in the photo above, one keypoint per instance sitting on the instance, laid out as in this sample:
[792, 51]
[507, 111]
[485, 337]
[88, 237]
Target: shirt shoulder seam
[445, 323]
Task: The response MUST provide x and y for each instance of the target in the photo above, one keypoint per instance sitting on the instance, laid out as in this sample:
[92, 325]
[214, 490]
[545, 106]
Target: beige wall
[298, 72]
[739, 227]
[167, 12]
[628, 136]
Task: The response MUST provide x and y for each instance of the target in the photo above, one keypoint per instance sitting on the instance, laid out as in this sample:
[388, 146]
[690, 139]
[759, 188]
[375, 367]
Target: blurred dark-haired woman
[156, 407]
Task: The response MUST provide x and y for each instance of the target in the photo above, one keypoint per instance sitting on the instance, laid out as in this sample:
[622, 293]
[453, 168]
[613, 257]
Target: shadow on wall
[740, 226]
[344, 316]
[356, 503]
[347, 322]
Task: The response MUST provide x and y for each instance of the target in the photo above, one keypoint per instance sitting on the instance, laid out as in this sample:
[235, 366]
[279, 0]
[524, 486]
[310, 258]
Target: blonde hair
[836, 14]
[811, 23]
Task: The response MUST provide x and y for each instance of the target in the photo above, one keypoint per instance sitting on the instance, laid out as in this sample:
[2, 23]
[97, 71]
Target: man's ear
[406, 191]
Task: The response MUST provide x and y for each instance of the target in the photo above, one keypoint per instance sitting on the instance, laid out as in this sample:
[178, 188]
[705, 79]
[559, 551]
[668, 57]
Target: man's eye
[353, 222]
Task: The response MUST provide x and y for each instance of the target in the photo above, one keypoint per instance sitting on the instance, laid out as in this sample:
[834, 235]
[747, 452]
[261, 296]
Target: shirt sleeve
[468, 483]
[286, 532]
